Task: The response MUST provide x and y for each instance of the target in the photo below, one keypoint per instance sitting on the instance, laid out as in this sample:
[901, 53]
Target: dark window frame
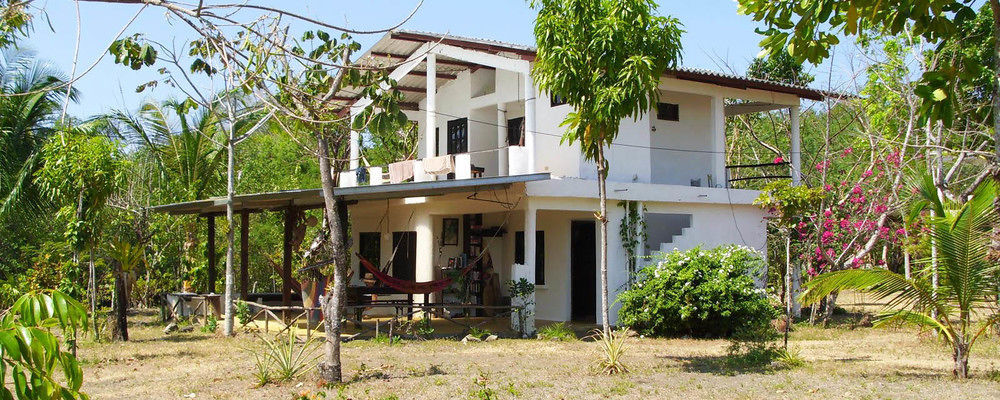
[556, 100]
[668, 112]
[539, 254]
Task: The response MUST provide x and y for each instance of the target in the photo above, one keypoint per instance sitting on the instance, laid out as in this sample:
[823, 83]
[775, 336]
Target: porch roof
[313, 198]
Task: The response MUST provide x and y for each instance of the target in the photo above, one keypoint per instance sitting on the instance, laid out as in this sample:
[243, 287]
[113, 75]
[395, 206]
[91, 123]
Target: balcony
[461, 167]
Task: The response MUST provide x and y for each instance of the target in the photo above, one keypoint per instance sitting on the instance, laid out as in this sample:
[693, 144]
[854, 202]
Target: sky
[716, 36]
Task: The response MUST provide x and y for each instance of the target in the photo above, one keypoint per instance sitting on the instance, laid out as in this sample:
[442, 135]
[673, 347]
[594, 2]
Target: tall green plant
[605, 58]
[962, 308]
[31, 352]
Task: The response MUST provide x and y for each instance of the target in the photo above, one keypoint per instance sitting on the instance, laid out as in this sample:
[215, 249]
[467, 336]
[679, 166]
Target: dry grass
[841, 363]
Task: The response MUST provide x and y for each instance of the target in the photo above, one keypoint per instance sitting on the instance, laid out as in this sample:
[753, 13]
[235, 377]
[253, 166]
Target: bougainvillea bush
[701, 293]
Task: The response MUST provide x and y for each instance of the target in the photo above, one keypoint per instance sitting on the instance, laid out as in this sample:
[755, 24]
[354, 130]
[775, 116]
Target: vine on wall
[633, 232]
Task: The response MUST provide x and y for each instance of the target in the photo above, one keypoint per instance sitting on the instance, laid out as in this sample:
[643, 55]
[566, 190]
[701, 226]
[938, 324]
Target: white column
[529, 121]
[429, 140]
[424, 226]
[502, 139]
[718, 124]
[796, 149]
[355, 150]
[528, 270]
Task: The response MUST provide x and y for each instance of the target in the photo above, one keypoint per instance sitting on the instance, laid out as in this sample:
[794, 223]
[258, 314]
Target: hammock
[410, 287]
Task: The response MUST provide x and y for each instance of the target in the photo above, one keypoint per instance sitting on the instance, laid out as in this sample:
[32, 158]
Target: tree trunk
[602, 173]
[227, 304]
[831, 305]
[330, 367]
[92, 288]
[961, 357]
[120, 308]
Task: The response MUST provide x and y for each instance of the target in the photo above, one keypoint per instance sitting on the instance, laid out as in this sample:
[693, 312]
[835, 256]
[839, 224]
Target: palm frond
[915, 318]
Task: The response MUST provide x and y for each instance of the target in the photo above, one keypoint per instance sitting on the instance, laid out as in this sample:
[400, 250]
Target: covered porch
[407, 253]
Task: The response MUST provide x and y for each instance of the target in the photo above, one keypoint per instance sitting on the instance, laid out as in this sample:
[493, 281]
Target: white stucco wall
[690, 141]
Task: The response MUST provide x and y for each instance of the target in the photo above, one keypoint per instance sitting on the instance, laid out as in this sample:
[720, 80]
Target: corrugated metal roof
[405, 42]
[313, 198]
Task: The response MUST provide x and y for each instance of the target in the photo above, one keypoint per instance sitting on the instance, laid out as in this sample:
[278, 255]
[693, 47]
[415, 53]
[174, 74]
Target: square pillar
[286, 258]
[529, 121]
[796, 150]
[502, 139]
[212, 259]
[718, 124]
[423, 224]
[527, 271]
[244, 255]
[430, 142]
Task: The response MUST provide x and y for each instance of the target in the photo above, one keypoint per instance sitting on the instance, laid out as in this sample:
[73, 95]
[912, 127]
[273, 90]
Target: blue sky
[716, 35]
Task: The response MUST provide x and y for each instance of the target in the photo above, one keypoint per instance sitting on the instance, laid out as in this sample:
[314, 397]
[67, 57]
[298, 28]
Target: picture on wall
[449, 232]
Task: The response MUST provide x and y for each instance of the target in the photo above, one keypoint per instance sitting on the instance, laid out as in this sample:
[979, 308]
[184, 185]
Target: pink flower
[867, 174]
[827, 213]
[778, 160]
[857, 189]
[900, 231]
[827, 187]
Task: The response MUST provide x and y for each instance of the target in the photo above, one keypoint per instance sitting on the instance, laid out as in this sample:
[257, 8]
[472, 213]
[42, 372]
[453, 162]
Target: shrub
[702, 293]
[558, 332]
[613, 347]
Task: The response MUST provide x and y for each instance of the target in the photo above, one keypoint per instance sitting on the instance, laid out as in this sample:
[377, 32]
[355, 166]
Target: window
[370, 247]
[556, 100]
[515, 131]
[539, 254]
[668, 112]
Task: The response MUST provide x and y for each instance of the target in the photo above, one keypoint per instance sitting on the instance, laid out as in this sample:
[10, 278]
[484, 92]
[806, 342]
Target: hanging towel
[439, 165]
[400, 171]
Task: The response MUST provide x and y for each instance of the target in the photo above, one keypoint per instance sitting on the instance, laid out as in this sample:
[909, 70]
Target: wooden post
[244, 255]
[286, 262]
[210, 284]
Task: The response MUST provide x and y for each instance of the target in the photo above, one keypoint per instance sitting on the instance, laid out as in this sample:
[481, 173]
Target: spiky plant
[963, 307]
[613, 347]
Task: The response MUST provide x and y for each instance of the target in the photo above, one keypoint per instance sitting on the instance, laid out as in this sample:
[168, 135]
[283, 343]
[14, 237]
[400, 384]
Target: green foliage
[242, 312]
[625, 40]
[15, 22]
[522, 294]
[285, 358]
[632, 232]
[789, 203]
[32, 353]
[752, 348]
[613, 348]
[699, 293]
[424, 328]
[779, 67]
[482, 390]
[80, 171]
[479, 332]
[560, 332]
[962, 309]
[211, 324]
[133, 52]
[807, 30]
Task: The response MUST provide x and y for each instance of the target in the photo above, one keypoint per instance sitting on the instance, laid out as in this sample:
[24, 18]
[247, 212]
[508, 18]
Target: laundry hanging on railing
[400, 172]
[439, 165]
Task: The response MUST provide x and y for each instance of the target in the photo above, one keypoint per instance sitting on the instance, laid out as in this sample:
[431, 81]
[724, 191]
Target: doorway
[404, 264]
[583, 271]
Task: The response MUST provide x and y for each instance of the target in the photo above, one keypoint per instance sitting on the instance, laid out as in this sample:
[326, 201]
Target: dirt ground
[862, 363]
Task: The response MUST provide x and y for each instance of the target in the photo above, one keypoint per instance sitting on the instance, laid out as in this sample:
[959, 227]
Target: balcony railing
[463, 168]
[752, 176]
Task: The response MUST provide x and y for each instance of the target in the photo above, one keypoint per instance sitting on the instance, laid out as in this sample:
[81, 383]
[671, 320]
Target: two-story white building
[491, 176]
[518, 193]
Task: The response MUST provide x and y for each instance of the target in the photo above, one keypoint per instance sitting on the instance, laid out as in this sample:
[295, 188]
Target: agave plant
[963, 306]
[286, 357]
[613, 347]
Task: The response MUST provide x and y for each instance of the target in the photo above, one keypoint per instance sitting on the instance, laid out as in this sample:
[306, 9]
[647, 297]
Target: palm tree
[186, 148]
[962, 308]
[28, 106]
